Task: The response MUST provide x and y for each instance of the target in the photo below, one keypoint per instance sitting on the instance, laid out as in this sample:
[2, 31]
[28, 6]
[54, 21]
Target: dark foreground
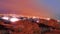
[29, 26]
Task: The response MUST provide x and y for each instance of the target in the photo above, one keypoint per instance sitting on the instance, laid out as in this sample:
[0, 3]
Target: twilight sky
[42, 8]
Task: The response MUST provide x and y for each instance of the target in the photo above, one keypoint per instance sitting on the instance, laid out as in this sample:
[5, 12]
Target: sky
[55, 4]
[41, 8]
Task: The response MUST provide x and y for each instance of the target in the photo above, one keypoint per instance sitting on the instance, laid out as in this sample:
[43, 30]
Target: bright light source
[37, 21]
[58, 20]
[14, 19]
[47, 18]
[34, 17]
[6, 18]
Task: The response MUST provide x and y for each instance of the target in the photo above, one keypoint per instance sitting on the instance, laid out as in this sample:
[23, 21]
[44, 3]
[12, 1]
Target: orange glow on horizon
[26, 7]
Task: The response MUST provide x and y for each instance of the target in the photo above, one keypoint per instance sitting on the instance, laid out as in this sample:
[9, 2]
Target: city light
[34, 17]
[14, 19]
[47, 18]
[5, 18]
[37, 21]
